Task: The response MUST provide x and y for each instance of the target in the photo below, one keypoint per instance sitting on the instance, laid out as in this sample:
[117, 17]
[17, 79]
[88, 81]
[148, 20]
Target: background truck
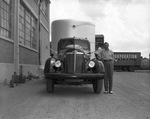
[73, 62]
[128, 61]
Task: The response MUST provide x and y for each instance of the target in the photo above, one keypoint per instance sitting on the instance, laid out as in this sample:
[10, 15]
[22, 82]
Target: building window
[36, 1]
[44, 7]
[5, 18]
[27, 28]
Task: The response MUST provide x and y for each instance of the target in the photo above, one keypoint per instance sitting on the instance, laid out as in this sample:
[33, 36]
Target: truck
[73, 61]
[127, 61]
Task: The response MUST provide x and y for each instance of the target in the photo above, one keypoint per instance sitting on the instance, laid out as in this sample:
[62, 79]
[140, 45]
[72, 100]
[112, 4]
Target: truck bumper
[93, 76]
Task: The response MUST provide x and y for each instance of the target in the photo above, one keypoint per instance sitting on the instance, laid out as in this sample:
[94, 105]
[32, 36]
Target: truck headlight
[53, 61]
[57, 64]
[91, 64]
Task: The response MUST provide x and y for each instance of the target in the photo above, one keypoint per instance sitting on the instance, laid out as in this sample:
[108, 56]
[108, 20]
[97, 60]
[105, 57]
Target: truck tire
[50, 86]
[97, 86]
[131, 69]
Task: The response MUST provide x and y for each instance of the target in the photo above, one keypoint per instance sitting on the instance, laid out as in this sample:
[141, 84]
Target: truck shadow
[70, 91]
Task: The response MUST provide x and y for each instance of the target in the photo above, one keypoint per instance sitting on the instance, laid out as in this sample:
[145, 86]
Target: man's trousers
[108, 76]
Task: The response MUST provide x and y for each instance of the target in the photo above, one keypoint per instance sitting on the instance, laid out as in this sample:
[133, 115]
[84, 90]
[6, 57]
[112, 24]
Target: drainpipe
[16, 36]
[38, 42]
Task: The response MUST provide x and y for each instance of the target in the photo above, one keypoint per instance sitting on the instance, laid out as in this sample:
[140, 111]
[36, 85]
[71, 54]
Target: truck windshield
[73, 43]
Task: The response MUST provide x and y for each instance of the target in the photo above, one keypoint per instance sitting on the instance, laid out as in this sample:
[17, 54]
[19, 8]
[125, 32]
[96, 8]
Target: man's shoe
[106, 92]
[111, 92]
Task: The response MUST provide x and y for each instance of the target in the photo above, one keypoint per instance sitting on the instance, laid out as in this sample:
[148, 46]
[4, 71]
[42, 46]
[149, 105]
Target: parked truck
[73, 43]
[127, 61]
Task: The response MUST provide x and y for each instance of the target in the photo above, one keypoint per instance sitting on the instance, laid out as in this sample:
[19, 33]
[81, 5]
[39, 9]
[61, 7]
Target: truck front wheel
[50, 86]
[97, 86]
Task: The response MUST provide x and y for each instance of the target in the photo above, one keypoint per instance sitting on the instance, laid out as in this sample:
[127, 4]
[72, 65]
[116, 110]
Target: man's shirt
[107, 54]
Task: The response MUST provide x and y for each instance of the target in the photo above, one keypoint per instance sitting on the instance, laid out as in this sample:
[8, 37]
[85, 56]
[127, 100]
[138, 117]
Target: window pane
[7, 16]
[2, 22]
[28, 27]
[27, 31]
[2, 13]
[20, 40]
[1, 32]
[22, 13]
[1, 3]
[7, 8]
[4, 17]
[7, 34]
[27, 43]
[5, 24]
[4, 6]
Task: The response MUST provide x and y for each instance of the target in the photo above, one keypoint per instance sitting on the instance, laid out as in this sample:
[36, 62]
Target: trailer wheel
[50, 86]
[97, 86]
[131, 69]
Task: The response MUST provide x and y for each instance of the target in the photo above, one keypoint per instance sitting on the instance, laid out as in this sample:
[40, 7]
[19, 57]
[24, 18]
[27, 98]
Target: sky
[125, 24]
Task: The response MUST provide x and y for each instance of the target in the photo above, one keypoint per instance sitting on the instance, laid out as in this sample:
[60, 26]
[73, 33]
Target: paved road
[131, 100]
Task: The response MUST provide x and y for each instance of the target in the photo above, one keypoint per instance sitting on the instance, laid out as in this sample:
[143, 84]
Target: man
[107, 56]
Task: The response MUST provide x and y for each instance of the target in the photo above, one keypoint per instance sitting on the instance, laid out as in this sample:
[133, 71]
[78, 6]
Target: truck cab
[73, 65]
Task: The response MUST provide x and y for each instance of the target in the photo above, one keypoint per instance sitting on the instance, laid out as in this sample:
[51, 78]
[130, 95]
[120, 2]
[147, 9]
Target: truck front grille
[74, 62]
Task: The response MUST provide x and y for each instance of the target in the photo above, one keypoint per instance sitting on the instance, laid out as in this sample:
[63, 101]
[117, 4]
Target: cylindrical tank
[72, 28]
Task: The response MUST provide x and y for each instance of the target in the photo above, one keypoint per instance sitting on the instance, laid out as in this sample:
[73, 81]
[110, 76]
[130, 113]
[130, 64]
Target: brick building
[24, 38]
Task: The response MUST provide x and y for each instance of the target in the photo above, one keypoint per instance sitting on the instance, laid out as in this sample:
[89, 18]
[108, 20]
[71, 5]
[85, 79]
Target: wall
[6, 71]
[27, 56]
[45, 52]
[6, 59]
[6, 51]
[34, 69]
